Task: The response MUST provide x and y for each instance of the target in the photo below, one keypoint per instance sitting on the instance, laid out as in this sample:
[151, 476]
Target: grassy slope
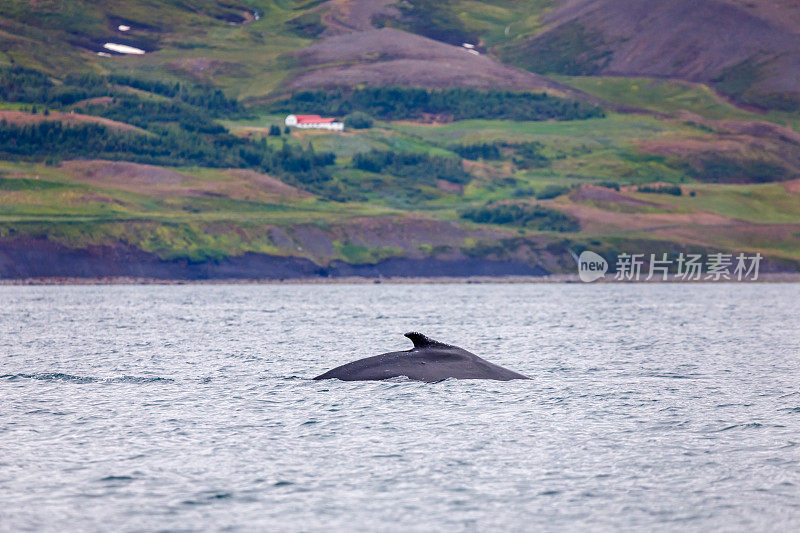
[672, 96]
[195, 44]
[599, 150]
[503, 22]
[635, 38]
[209, 214]
[186, 223]
[661, 96]
[246, 60]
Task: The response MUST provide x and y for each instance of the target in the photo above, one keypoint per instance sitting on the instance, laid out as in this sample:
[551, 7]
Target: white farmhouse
[314, 122]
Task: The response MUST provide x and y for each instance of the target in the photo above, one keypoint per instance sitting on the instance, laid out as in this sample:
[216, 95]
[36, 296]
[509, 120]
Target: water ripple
[652, 407]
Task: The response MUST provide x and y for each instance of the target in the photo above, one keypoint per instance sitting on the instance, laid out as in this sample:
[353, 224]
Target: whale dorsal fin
[421, 341]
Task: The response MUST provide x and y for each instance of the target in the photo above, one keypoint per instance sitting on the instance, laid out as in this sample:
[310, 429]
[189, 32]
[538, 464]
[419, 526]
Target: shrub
[552, 191]
[358, 121]
[525, 215]
[528, 155]
[477, 151]
[524, 192]
[674, 190]
[274, 131]
[397, 103]
[417, 168]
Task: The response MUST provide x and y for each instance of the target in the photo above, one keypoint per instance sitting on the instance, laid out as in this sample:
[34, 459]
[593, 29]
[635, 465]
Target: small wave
[209, 497]
[47, 412]
[675, 375]
[50, 376]
[138, 379]
[751, 425]
[60, 376]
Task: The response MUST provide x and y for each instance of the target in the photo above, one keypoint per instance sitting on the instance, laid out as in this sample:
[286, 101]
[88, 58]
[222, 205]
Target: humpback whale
[428, 361]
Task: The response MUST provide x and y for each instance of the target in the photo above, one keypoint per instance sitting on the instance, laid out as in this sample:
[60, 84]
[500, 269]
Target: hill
[748, 50]
[660, 127]
[394, 57]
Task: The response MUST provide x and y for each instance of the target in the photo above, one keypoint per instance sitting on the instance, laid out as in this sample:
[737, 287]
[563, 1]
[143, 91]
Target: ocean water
[187, 408]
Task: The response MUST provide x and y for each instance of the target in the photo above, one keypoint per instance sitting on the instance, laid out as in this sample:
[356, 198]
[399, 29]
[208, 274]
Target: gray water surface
[150, 408]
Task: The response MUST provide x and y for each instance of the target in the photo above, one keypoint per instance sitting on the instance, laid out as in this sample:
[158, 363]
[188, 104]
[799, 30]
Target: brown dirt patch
[153, 180]
[97, 100]
[344, 16]
[448, 186]
[127, 176]
[738, 141]
[202, 68]
[792, 186]
[388, 56]
[268, 185]
[776, 240]
[686, 147]
[752, 128]
[591, 193]
[595, 220]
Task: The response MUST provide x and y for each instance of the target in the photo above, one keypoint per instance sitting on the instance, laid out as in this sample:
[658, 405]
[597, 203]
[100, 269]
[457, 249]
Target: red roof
[315, 119]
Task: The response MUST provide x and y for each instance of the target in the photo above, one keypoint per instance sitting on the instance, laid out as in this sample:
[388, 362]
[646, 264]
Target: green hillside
[180, 151]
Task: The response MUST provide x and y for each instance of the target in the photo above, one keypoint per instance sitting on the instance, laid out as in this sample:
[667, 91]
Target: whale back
[429, 361]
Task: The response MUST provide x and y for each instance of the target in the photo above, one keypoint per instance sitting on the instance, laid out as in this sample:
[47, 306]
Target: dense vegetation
[148, 114]
[552, 191]
[520, 214]
[414, 167]
[528, 155]
[54, 141]
[178, 128]
[18, 84]
[723, 168]
[397, 103]
[488, 151]
[358, 121]
[525, 155]
[674, 190]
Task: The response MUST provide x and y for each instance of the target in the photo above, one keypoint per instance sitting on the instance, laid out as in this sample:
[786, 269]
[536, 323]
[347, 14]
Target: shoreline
[770, 277]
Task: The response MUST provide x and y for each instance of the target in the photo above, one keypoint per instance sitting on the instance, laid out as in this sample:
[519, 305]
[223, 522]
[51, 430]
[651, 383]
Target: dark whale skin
[428, 361]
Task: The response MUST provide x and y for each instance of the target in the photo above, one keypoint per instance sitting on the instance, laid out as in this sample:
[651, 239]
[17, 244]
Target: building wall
[332, 126]
[291, 120]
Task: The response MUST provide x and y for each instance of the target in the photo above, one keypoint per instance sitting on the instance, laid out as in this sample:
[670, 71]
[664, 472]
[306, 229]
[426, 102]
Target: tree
[274, 131]
[358, 120]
